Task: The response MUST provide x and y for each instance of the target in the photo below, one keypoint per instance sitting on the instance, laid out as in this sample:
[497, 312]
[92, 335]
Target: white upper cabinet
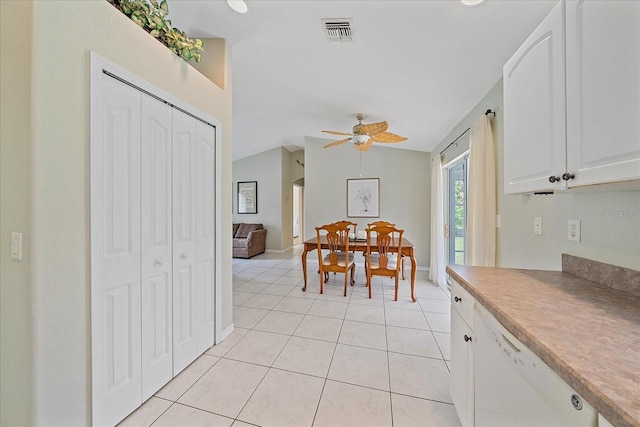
[603, 91]
[575, 124]
[534, 115]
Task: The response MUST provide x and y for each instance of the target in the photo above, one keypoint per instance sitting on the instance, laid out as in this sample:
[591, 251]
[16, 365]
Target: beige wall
[405, 181]
[16, 344]
[274, 170]
[267, 169]
[286, 206]
[610, 219]
[56, 278]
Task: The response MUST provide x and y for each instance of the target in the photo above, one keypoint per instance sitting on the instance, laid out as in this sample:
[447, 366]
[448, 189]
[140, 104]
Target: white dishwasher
[513, 387]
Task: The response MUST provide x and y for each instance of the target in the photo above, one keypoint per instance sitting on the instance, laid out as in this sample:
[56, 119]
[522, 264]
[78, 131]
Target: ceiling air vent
[338, 30]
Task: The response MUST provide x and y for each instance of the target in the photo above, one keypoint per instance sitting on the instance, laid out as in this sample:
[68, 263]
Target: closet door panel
[205, 235]
[184, 240]
[115, 261]
[157, 344]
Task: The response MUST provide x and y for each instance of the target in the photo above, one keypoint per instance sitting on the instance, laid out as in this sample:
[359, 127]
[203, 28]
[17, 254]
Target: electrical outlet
[537, 226]
[574, 230]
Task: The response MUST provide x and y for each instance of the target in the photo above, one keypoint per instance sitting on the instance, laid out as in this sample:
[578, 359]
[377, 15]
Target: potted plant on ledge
[152, 17]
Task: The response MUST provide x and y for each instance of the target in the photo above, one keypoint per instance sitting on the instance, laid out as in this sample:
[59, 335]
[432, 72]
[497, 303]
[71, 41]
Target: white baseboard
[279, 251]
[225, 333]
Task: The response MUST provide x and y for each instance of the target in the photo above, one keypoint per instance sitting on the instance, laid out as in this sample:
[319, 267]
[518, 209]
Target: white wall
[56, 98]
[610, 219]
[405, 180]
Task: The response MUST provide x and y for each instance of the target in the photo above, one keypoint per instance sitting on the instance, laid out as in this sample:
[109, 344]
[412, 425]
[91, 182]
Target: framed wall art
[363, 198]
[248, 197]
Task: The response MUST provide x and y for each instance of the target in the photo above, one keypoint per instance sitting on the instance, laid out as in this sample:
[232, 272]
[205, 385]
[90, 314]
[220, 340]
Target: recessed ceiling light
[471, 2]
[238, 5]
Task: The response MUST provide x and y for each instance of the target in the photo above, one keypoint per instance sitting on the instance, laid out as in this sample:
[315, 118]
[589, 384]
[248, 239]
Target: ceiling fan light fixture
[238, 5]
[471, 2]
[360, 139]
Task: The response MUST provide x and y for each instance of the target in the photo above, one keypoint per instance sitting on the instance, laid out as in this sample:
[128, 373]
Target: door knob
[458, 299]
[553, 179]
[567, 176]
[467, 338]
[158, 262]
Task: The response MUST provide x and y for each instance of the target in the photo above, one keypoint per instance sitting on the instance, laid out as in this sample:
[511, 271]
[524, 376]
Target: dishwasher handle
[512, 345]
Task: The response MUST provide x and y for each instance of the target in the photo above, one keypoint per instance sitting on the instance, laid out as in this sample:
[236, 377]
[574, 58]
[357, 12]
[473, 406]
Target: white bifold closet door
[205, 236]
[184, 240]
[157, 273]
[116, 253]
[193, 216]
[152, 259]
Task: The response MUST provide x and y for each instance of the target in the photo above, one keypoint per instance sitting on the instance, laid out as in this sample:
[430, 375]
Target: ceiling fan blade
[335, 132]
[341, 141]
[387, 137]
[365, 146]
[374, 128]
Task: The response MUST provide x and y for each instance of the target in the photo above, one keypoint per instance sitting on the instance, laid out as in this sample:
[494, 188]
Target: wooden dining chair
[402, 257]
[337, 258]
[352, 227]
[344, 235]
[382, 256]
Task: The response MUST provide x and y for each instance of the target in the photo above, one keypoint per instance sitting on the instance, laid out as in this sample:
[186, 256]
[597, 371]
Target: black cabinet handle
[553, 179]
[458, 299]
[567, 176]
[467, 338]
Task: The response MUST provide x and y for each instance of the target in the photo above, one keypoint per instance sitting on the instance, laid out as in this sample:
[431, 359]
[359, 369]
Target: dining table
[360, 245]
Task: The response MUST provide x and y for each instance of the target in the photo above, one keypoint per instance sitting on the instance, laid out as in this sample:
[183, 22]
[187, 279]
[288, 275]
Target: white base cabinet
[462, 354]
[576, 124]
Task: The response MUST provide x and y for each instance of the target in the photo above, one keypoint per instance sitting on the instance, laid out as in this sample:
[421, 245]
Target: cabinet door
[603, 91]
[157, 345]
[534, 110]
[205, 226]
[462, 386]
[115, 253]
[184, 240]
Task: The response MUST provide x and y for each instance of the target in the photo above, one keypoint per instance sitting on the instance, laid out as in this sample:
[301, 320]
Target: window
[456, 212]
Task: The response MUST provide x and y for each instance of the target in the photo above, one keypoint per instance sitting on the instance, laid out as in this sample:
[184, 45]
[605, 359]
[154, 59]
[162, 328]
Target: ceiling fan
[364, 135]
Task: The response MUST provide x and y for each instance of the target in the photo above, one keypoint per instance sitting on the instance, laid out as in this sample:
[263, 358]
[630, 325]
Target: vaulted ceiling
[421, 65]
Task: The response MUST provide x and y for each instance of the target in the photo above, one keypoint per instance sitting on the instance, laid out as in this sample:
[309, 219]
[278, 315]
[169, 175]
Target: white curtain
[481, 203]
[437, 273]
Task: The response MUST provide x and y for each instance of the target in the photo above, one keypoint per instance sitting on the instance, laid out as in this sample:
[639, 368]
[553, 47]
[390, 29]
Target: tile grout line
[335, 348]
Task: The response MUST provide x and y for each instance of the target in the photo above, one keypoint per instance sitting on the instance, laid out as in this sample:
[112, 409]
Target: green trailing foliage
[152, 17]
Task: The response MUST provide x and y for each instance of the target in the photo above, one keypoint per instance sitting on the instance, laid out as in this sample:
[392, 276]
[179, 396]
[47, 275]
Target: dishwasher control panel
[532, 368]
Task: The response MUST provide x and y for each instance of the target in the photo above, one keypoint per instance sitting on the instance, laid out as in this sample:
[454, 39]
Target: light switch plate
[16, 246]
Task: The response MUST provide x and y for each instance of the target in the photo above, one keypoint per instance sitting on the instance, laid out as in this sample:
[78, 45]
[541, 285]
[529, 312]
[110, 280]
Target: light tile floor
[304, 359]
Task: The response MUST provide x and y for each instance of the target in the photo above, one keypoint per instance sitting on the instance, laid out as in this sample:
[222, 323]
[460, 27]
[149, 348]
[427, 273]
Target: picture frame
[363, 198]
[248, 197]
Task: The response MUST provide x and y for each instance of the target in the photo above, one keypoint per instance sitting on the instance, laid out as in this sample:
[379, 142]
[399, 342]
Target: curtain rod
[486, 113]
